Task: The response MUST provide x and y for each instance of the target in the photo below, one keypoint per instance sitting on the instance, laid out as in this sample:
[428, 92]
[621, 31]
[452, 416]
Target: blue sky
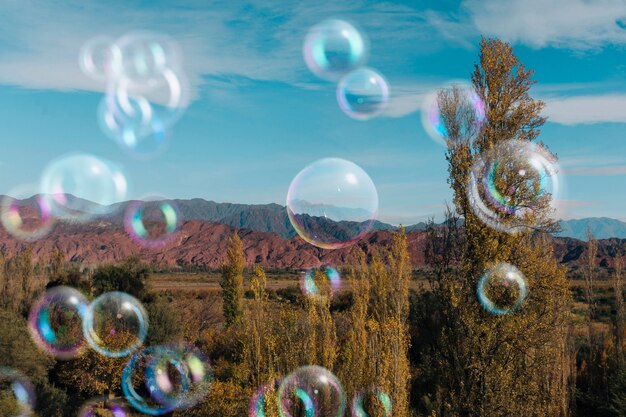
[258, 115]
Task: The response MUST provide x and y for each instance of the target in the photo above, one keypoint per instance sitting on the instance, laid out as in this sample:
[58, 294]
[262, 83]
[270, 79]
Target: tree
[232, 282]
[499, 365]
[131, 276]
[590, 275]
[619, 321]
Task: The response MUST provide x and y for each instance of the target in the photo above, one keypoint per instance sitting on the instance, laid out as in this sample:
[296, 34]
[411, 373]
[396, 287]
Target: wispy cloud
[573, 24]
[586, 109]
[588, 165]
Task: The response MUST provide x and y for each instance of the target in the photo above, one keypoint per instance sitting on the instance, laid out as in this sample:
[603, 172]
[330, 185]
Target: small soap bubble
[25, 214]
[320, 282]
[100, 58]
[363, 94]
[502, 289]
[311, 391]
[152, 223]
[372, 402]
[17, 392]
[100, 407]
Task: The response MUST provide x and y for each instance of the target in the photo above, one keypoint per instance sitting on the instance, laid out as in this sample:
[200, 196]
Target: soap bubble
[332, 203]
[96, 406]
[79, 187]
[312, 391]
[502, 289]
[363, 94]
[160, 379]
[56, 322]
[319, 282]
[153, 223]
[372, 402]
[26, 215]
[17, 392]
[116, 324]
[146, 55]
[513, 186]
[431, 116]
[100, 58]
[333, 48]
[263, 402]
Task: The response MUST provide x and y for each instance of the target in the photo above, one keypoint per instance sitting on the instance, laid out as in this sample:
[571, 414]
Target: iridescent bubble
[100, 58]
[513, 187]
[115, 324]
[320, 282]
[160, 379]
[26, 215]
[79, 187]
[332, 203]
[333, 48]
[263, 402]
[17, 393]
[311, 391]
[372, 402]
[56, 322]
[152, 223]
[363, 94]
[98, 406]
[146, 55]
[431, 115]
[502, 289]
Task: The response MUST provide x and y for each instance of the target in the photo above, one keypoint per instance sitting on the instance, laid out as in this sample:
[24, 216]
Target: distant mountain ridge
[600, 227]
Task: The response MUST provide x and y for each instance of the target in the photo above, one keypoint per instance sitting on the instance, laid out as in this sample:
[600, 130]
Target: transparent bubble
[26, 215]
[56, 322]
[263, 402]
[80, 187]
[333, 48]
[100, 58]
[152, 223]
[372, 402]
[513, 186]
[332, 203]
[502, 289]
[431, 116]
[146, 55]
[101, 407]
[363, 94]
[320, 282]
[311, 391]
[160, 379]
[115, 324]
[17, 393]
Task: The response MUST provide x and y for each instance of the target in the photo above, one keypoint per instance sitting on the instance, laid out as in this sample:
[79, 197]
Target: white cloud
[575, 24]
[586, 109]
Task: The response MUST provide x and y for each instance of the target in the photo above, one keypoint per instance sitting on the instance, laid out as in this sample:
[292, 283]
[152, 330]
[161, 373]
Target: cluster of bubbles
[315, 391]
[160, 379]
[62, 323]
[512, 185]
[17, 393]
[153, 222]
[501, 289]
[336, 50]
[332, 203]
[146, 88]
[432, 120]
[316, 282]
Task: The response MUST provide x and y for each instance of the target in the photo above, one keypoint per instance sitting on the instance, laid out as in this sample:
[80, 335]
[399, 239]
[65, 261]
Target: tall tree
[590, 277]
[499, 365]
[232, 281]
[619, 321]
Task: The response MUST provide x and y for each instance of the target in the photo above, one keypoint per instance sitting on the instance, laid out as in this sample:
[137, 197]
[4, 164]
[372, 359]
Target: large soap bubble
[502, 289]
[311, 391]
[333, 48]
[332, 203]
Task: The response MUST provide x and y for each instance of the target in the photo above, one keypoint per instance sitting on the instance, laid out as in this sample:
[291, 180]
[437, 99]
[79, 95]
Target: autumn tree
[232, 281]
[619, 320]
[499, 365]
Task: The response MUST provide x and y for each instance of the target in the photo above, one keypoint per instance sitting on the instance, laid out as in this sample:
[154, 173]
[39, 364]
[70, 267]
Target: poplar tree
[232, 282]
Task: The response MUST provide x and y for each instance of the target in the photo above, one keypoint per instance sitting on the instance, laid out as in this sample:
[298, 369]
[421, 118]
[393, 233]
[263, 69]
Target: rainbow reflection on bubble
[153, 223]
[25, 215]
[431, 115]
[333, 48]
[363, 94]
[332, 203]
[311, 285]
[161, 379]
[501, 289]
[115, 324]
[15, 385]
[95, 406]
[100, 58]
[262, 399]
[364, 401]
[514, 186]
[79, 187]
[313, 388]
[56, 322]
